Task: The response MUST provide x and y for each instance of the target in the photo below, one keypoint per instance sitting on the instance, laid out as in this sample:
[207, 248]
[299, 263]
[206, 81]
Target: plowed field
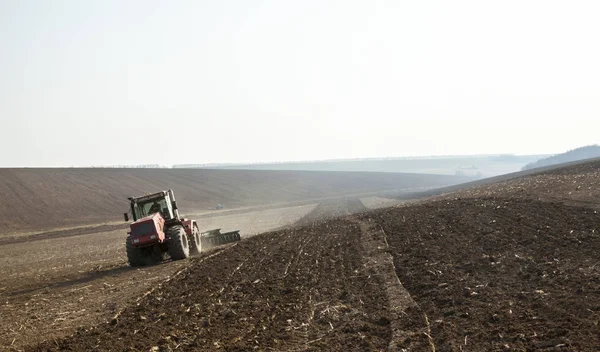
[498, 274]
[287, 290]
[50, 286]
[494, 268]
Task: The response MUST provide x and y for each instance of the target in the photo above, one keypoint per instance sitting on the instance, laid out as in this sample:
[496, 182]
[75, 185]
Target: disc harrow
[212, 238]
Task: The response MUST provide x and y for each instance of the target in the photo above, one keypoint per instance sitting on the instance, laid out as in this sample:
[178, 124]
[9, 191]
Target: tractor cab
[162, 202]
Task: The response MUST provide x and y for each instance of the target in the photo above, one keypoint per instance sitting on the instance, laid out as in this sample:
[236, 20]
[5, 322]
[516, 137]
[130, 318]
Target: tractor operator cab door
[162, 205]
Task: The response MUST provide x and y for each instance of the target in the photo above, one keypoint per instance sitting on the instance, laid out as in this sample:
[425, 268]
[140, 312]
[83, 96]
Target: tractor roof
[160, 194]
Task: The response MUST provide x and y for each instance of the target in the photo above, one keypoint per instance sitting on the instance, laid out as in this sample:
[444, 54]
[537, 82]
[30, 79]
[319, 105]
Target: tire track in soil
[410, 330]
[332, 209]
[307, 288]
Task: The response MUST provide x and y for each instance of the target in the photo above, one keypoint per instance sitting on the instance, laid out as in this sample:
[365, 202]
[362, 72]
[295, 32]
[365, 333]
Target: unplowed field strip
[47, 199]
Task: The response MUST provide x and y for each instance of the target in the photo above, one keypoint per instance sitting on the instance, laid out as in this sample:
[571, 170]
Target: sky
[116, 82]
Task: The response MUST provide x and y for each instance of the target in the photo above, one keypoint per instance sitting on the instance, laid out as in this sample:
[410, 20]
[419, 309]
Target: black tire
[178, 244]
[195, 241]
[135, 256]
[156, 254]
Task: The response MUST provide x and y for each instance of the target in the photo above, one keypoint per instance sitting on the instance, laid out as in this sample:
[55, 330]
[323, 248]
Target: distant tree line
[587, 152]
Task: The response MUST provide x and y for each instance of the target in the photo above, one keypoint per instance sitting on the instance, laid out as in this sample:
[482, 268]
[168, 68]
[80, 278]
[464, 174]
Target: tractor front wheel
[178, 244]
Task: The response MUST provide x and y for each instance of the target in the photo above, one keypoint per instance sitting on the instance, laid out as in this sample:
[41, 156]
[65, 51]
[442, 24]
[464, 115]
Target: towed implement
[214, 237]
[157, 231]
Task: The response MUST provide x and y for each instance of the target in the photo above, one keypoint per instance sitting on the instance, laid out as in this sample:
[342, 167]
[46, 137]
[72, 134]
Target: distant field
[478, 166]
[41, 199]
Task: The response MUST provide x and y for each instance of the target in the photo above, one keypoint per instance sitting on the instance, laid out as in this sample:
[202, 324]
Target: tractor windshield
[149, 207]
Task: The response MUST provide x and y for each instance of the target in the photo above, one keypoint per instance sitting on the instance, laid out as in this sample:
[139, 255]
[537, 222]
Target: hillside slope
[36, 199]
[588, 152]
[582, 169]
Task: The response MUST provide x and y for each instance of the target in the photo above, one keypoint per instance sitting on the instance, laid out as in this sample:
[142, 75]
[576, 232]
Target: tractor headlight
[152, 237]
[136, 240]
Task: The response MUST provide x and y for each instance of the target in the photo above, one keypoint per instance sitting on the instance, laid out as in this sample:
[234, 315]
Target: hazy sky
[167, 82]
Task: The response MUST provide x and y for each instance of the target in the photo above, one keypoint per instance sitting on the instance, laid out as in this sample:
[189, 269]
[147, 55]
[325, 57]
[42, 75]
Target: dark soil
[497, 274]
[304, 288]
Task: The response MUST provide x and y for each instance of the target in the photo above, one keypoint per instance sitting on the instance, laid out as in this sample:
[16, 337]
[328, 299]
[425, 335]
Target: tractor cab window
[150, 207]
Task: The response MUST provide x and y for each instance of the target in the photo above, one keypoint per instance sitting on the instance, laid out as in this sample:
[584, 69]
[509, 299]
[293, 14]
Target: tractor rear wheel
[135, 255]
[195, 242]
[178, 244]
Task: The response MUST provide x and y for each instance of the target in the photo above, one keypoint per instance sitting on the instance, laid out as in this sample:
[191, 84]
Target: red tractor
[157, 230]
